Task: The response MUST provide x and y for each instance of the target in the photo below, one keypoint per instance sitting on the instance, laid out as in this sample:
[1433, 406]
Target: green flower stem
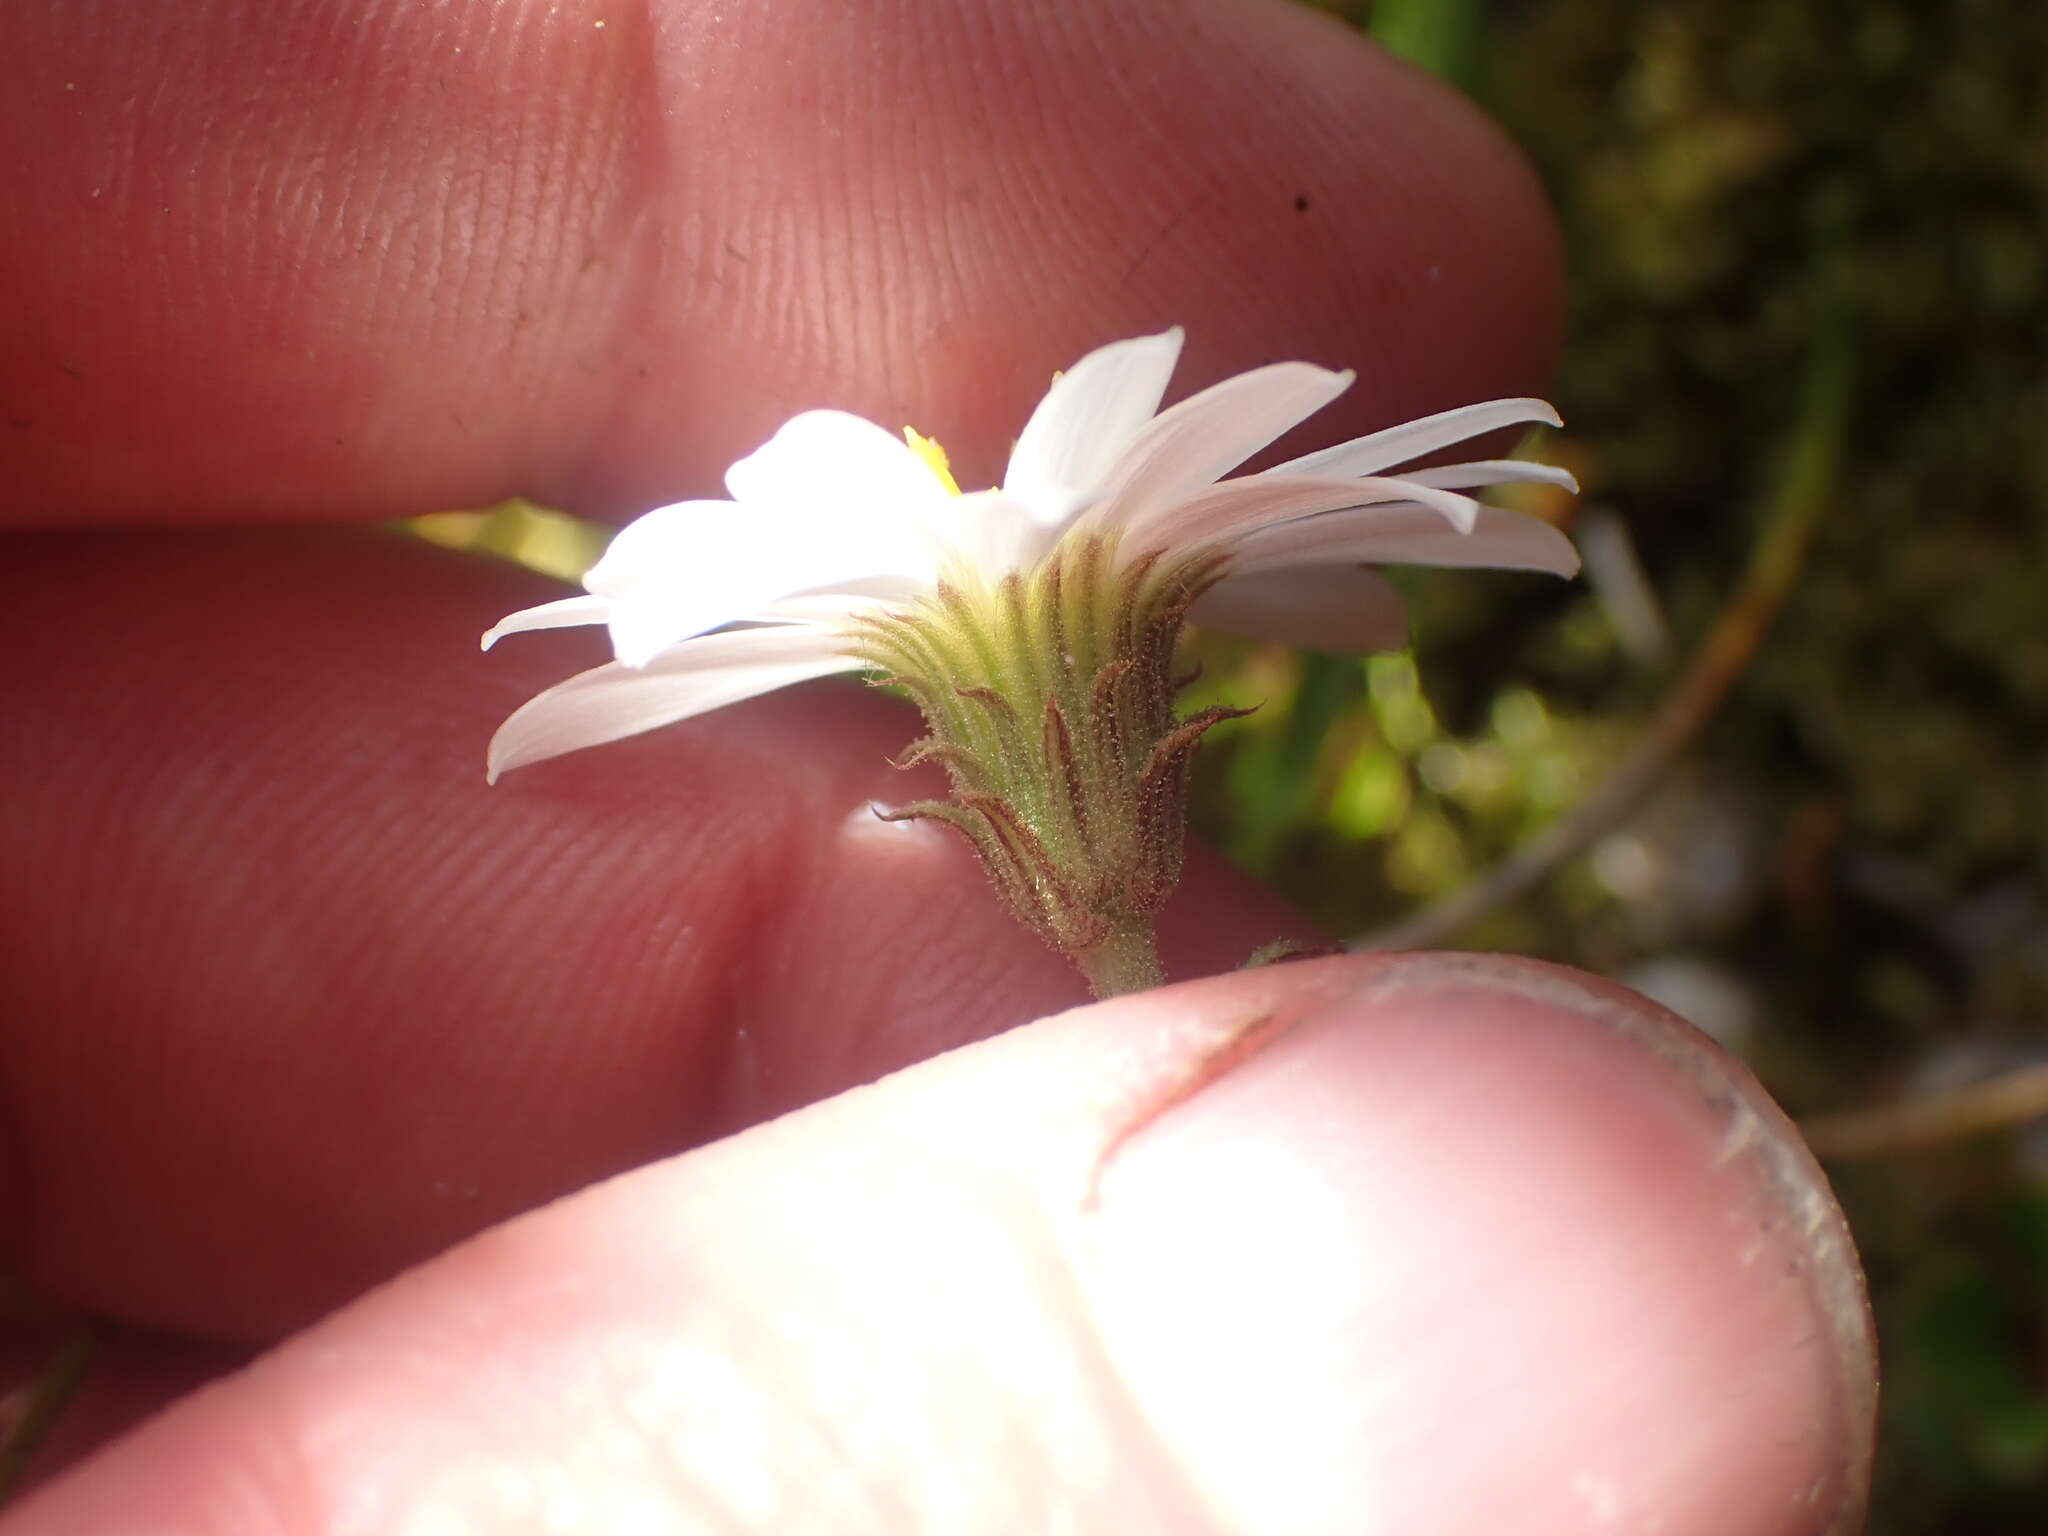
[1126, 961]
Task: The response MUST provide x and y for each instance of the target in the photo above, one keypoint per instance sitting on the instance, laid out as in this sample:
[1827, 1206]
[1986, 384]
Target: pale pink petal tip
[1458, 477]
[1409, 535]
[1187, 447]
[1087, 422]
[560, 614]
[1378, 451]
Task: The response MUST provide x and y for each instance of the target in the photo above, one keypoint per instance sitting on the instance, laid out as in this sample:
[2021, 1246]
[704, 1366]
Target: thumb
[1404, 1243]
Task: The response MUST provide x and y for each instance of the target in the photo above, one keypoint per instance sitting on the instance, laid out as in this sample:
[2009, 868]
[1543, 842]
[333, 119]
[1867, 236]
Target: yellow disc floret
[934, 457]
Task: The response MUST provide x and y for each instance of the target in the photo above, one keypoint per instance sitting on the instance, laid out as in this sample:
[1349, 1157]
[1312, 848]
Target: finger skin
[296, 999]
[1465, 1247]
[298, 1003]
[295, 258]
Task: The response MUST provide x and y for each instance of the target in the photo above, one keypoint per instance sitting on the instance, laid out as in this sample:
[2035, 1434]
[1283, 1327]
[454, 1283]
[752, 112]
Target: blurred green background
[1806, 380]
[1779, 759]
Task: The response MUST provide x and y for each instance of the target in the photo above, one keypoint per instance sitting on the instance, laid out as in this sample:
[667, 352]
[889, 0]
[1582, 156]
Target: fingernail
[1483, 1244]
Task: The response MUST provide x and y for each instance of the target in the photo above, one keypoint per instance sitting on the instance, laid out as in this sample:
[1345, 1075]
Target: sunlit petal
[834, 518]
[1087, 421]
[1188, 446]
[1343, 608]
[994, 531]
[691, 568]
[560, 614]
[1408, 535]
[614, 701]
[656, 545]
[1397, 445]
[835, 475]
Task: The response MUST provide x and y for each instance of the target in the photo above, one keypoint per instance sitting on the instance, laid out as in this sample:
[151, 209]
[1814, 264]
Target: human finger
[294, 999]
[355, 261]
[1452, 1244]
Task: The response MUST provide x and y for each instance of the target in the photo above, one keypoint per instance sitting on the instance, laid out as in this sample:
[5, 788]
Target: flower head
[1035, 623]
[834, 522]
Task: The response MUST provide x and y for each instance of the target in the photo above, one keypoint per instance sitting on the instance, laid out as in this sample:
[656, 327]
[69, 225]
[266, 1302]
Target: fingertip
[1518, 1249]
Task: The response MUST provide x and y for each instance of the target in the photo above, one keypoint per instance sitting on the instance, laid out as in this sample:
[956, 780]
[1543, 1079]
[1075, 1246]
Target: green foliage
[1857, 845]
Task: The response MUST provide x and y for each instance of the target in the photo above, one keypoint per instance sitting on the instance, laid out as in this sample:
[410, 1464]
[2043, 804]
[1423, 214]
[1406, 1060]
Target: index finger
[375, 262]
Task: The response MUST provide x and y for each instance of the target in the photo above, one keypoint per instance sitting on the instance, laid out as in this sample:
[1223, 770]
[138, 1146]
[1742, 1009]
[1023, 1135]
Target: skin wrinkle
[1244, 1039]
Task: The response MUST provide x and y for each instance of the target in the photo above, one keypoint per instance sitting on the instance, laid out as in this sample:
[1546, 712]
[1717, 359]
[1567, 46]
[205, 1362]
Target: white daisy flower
[1035, 622]
[834, 515]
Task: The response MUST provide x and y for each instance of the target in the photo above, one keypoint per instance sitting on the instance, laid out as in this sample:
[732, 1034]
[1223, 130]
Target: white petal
[682, 570]
[828, 471]
[649, 625]
[829, 607]
[1409, 535]
[1397, 445]
[656, 545]
[1343, 608]
[1459, 477]
[995, 532]
[559, 614]
[613, 701]
[1237, 509]
[1187, 446]
[1087, 421]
